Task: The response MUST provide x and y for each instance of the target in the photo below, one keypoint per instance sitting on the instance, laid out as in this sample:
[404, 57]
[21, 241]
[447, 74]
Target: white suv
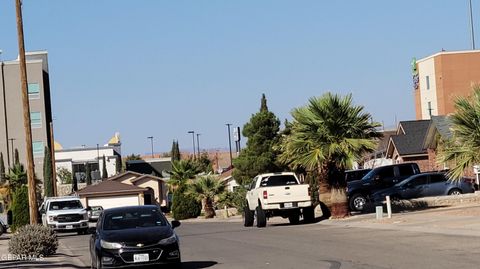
[64, 214]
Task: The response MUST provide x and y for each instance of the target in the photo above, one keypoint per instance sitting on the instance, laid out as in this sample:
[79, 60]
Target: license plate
[288, 205]
[140, 257]
[69, 226]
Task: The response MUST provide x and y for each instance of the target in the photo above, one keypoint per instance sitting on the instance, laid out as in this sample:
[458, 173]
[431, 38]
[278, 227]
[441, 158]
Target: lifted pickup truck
[277, 194]
[64, 214]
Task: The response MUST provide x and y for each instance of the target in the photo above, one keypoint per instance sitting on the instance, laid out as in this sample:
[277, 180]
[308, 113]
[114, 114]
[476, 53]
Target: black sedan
[134, 236]
[423, 185]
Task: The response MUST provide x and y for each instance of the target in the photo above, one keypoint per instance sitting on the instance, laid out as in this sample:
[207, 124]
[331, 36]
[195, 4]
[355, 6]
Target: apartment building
[12, 133]
[440, 78]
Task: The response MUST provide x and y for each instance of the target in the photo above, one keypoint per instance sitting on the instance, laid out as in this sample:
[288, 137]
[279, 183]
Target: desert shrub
[20, 209]
[233, 199]
[185, 206]
[33, 240]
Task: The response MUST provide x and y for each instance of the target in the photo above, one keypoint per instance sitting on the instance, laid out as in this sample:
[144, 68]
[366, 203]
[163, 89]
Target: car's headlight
[167, 241]
[110, 245]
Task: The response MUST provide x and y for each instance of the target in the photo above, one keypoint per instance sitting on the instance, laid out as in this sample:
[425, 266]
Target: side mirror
[42, 211]
[88, 208]
[175, 224]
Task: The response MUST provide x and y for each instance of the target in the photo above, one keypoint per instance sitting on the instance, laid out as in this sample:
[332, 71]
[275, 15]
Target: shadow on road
[38, 264]
[198, 264]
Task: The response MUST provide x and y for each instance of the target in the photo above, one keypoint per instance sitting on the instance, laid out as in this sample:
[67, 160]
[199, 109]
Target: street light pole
[193, 140]
[151, 141]
[230, 144]
[198, 145]
[32, 195]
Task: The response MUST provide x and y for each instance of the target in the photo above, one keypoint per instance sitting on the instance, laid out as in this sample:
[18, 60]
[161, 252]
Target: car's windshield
[136, 218]
[65, 205]
[280, 180]
[369, 175]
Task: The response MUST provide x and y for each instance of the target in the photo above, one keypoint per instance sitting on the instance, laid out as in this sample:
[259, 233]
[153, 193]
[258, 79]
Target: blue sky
[162, 68]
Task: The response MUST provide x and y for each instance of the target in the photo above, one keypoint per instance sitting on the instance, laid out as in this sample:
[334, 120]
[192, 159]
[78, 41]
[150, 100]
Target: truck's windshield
[280, 180]
[65, 205]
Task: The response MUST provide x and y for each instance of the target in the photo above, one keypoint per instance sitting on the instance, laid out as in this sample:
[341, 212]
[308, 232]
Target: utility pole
[5, 110]
[193, 142]
[230, 144]
[32, 195]
[471, 25]
[198, 146]
[151, 142]
[52, 152]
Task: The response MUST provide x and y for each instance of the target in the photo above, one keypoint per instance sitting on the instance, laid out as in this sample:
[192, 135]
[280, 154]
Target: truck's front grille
[69, 218]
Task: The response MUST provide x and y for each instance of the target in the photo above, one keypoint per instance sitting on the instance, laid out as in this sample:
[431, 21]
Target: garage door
[113, 201]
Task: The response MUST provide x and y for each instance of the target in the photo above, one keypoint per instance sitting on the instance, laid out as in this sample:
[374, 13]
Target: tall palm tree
[16, 177]
[206, 189]
[326, 136]
[462, 150]
[181, 171]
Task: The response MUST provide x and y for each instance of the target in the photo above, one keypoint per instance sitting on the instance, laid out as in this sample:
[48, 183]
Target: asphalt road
[230, 245]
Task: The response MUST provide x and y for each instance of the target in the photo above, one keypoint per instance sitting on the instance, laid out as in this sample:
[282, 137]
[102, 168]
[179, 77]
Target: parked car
[423, 185]
[94, 213]
[65, 214]
[359, 191]
[277, 194]
[3, 227]
[134, 236]
[352, 175]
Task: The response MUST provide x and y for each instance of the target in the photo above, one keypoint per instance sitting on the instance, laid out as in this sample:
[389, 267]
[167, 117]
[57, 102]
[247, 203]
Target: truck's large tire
[249, 217]
[357, 202]
[294, 217]
[261, 217]
[308, 214]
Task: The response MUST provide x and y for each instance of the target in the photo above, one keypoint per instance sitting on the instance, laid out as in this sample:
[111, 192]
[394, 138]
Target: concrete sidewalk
[462, 220]
[64, 258]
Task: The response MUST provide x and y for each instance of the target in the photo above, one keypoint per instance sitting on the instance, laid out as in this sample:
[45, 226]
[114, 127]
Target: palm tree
[16, 177]
[181, 171]
[326, 136]
[462, 150]
[206, 189]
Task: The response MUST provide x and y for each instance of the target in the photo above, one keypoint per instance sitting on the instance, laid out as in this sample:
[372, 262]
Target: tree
[206, 189]
[2, 169]
[88, 174]
[64, 175]
[17, 176]
[20, 209]
[327, 135]
[104, 168]
[133, 157]
[175, 153]
[181, 171]
[118, 164]
[204, 164]
[185, 205]
[47, 174]
[462, 150]
[259, 155]
[16, 158]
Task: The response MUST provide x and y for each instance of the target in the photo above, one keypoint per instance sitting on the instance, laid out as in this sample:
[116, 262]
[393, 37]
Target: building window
[36, 119]
[427, 79]
[33, 90]
[430, 108]
[38, 149]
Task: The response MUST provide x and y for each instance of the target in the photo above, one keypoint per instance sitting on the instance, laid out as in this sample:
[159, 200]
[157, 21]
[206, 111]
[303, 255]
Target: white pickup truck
[65, 214]
[277, 194]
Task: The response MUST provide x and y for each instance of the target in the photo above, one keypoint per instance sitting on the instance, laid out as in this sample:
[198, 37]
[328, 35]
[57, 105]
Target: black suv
[360, 191]
[352, 175]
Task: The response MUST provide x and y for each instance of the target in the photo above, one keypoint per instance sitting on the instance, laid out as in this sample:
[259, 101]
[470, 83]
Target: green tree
[206, 189]
[181, 171]
[16, 157]
[185, 205]
[47, 174]
[17, 176]
[64, 175]
[20, 209]
[2, 169]
[259, 155]
[88, 174]
[204, 164]
[461, 152]
[175, 153]
[327, 135]
[118, 164]
[133, 157]
[104, 168]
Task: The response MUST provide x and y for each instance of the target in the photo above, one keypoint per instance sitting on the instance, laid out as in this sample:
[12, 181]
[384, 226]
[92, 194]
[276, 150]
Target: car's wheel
[294, 217]
[98, 262]
[177, 264]
[249, 217]
[308, 214]
[454, 192]
[357, 202]
[261, 217]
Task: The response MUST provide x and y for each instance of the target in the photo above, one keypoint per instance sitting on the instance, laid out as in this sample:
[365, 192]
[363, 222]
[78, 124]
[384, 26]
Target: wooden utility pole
[52, 153]
[32, 195]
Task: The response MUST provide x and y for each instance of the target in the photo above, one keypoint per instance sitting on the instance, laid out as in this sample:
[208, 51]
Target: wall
[65, 158]
[427, 68]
